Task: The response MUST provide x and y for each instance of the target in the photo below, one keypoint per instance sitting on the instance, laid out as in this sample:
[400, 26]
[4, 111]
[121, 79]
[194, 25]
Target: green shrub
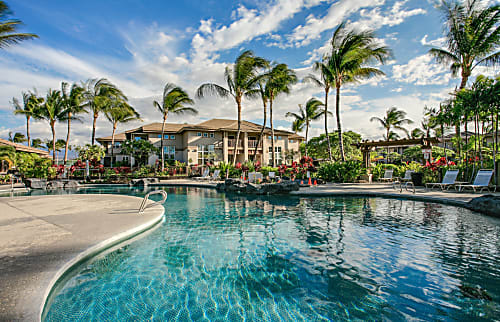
[265, 170]
[347, 171]
[379, 170]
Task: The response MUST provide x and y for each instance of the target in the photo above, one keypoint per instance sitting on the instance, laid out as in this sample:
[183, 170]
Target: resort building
[6, 165]
[210, 141]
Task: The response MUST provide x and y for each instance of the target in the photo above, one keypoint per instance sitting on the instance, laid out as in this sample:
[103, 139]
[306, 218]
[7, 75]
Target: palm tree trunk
[28, 130]
[238, 102]
[494, 148]
[93, 127]
[326, 124]
[339, 129]
[272, 131]
[113, 144]
[53, 128]
[161, 143]
[260, 134]
[307, 132]
[67, 139]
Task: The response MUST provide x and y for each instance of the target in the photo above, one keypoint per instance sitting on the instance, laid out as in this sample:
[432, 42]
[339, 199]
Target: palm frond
[212, 89]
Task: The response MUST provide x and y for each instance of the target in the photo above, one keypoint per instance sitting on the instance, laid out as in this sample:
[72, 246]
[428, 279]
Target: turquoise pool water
[231, 258]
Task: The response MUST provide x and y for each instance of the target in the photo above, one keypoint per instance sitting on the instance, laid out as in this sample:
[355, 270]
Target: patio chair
[387, 176]
[204, 176]
[482, 181]
[406, 180]
[449, 180]
[215, 175]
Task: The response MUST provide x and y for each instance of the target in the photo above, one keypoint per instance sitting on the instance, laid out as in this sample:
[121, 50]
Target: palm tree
[73, 106]
[473, 34]
[416, 133]
[96, 92]
[53, 111]
[264, 95]
[31, 103]
[19, 138]
[173, 101]
[393, 118]
[8, 28]
[120, 113]
[350, 52]
[37, 143]
[311, 112]
[241, 81]
[280, 80]
[298, 125]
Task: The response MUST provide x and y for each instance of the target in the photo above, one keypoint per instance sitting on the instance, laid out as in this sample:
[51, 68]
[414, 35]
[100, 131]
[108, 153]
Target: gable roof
[24, 148]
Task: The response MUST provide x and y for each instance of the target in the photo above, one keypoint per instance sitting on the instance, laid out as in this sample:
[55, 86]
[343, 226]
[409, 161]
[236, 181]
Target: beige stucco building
[210, 141]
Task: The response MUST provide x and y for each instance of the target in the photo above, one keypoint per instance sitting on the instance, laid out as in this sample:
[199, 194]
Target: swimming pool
[232, 258]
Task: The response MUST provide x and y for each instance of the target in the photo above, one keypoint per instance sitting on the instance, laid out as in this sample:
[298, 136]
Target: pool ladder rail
[144, 204]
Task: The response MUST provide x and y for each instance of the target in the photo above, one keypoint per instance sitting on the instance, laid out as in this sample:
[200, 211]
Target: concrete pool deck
[42, 236]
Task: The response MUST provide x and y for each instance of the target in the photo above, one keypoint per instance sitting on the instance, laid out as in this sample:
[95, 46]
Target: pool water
[220, 257]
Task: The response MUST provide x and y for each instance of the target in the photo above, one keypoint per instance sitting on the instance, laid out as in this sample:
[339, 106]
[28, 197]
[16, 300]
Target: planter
[416, 178]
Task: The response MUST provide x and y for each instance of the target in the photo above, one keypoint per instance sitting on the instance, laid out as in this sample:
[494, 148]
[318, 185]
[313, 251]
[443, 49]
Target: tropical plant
[317, 146]
[31, 104]
[311, 112]
[53, 111]
[472, 36]
[73, 105]
[96, 95]
[393, 118]
[346, 61]
[8, 154]
[31, 165]
[279, 80]
[90, 152]
[8, 28]
[346, 171]
[37, 143]
[241, 81]
[139, 149]
[59, 145]
[17, 138]
[174, 101]
[120, 113]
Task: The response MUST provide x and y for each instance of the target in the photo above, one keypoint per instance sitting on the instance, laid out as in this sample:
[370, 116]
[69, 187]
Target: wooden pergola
[368, 146]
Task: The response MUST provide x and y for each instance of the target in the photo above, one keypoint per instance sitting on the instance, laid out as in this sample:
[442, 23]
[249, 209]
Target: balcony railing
[253, 143]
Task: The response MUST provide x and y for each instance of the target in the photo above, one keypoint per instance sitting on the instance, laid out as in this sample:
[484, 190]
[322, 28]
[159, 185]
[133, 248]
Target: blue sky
[141, 45]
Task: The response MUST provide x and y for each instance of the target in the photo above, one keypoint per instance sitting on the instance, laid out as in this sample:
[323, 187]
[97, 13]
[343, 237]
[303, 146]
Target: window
[291, 141]
[205, 135]
[165, 137]
[159, 136]
[137, 138]
[198, 134]
[277, 155]
[212, 135]
[270, 138]
[172, 137]
[206, 153]
[117, 144]
[279, 137]
[169, 152]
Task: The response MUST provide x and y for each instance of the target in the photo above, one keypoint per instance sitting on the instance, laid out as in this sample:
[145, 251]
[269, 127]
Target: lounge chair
[482, 181]
[204, 176]
[449, 180]
[406, 180]
[254, 176]
[387, 176]
[215, 175]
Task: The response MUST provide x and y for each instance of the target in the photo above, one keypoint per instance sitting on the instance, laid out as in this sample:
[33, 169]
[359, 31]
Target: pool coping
[122, 239]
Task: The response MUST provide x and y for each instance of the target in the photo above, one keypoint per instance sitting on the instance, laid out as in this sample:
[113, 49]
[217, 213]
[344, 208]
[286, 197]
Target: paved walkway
[40, 235]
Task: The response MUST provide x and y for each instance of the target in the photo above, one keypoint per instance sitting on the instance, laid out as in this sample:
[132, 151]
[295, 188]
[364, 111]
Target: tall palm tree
[393, 119]
[346, 62]
[53, 111]
[312, 111]
[8, 28]
[263, 91]
[280, 80]
[29, 109]
[174, 100]
[472, 36]
[96, 94]
[298, 125]
[73, 105]
[120, 112]
[241, 81]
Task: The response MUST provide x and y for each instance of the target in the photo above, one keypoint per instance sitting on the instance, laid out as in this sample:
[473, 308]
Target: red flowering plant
[433, 169]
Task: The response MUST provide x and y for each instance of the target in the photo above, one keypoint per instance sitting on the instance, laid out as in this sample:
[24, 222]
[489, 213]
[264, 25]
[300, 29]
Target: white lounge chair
[406, 180]
[215, 175]
[449, 180]
[204, 176]
[482, 181]
[387, 176]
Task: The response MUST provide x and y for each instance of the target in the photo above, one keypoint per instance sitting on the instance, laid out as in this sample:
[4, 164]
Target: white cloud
[422, 70]
[439, 42]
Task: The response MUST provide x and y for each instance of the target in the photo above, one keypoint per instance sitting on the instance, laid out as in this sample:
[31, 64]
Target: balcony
[252, 144]
[232, 142]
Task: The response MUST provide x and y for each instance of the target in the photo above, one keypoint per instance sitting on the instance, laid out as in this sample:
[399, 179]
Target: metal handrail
[144, 204]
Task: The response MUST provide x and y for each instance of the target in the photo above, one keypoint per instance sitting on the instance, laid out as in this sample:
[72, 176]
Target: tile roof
[24, 148]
